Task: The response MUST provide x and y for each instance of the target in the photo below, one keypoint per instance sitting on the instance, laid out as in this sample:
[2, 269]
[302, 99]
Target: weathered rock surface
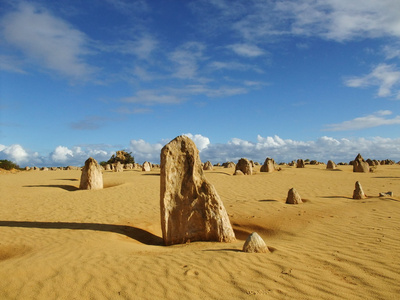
[255, 244]
[360, 165]
[268, 166]
[358, 192]
[300, 163]
[128, 166]
[191, 209]
[119, 167]
[293, 197]
[91, 177]
[208, 166]
[229, 164]
[108, 167]
[330, 165]
[244, 165]
[146, 166]
[238, 172]
[387, 194]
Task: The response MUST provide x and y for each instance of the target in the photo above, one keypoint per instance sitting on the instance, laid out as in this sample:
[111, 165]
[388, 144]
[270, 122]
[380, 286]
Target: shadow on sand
[135, 233]
[69, 188]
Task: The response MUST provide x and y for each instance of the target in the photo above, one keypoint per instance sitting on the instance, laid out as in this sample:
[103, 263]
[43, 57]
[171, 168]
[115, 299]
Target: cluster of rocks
[190, 207]
[51, 168]
[358, 192]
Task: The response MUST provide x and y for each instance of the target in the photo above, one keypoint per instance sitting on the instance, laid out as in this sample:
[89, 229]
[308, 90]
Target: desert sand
[58, 242]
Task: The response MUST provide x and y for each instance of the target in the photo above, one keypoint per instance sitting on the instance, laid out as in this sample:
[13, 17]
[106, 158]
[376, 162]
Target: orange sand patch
[58, 242]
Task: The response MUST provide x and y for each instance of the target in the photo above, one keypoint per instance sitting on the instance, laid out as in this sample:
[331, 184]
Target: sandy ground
[58, 242]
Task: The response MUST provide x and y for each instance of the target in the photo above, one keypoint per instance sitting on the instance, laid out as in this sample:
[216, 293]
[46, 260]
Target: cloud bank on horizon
[78, 74]
[282, 150]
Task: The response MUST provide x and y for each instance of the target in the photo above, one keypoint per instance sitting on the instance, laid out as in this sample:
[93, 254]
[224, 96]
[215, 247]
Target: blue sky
[285, 79]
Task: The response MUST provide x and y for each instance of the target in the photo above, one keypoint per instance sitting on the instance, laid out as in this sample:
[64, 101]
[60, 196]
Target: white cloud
[373, 120]
[285, 150]
[151, 97]
[61, 154]
[339, 20]
[282, 150]
[143, 151]
[15, 153]
[201, 142]
[142, 47]
[181, 94]
[47, 40]
[385, 76]
[11, 64]
[186, 58]
[247, 50]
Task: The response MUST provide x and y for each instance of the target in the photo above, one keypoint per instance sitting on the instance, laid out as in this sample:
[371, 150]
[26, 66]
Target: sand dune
[58, 242]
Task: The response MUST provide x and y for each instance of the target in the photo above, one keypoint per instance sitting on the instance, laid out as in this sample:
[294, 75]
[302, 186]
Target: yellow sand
[57, 242]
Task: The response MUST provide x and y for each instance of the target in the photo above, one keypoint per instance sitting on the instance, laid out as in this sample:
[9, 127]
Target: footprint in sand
[190, 272]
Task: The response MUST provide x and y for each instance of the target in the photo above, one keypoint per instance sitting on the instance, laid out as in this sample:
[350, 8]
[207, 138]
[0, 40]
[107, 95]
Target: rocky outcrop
[207, 166]
[229, 164]
[128, 166]
[146, 166]
[330, 165]
[255, 244]
[293, 197]
[244, 165]
[268, 166]
[300, 163]
[358, 192]
[91, 177]
[119, 167]
[191, 209]
[360, 165]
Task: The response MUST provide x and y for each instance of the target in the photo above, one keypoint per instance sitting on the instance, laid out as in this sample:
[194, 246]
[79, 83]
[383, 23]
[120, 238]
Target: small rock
[358, 192]
[255, 244]
[245, 166]
[387, 194]
[293, 197]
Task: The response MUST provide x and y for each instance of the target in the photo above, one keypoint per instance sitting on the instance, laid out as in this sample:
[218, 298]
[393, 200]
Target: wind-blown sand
[58, 242]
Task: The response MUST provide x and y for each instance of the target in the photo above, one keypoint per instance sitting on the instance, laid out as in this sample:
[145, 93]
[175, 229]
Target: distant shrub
[123, 157]
[8, 165]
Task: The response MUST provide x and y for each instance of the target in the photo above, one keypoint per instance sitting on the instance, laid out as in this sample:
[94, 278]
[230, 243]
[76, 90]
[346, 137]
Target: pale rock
[293, 197]
[91, 177]
[255, 244]
[387, 194]
[244, 165]
[207, 166]
[360, 165]
[119, 167]
[358, 193]
[146, 167]
[268, 166]
[191, 209]
[300, 163]
[238, 172]
[330, 165]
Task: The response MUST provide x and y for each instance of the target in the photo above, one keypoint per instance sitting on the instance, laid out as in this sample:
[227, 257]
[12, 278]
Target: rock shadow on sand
[66, 187]
[135, 233]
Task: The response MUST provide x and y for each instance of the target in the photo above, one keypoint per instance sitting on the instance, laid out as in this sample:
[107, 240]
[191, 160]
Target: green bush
[8, 165]
[123, 157]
